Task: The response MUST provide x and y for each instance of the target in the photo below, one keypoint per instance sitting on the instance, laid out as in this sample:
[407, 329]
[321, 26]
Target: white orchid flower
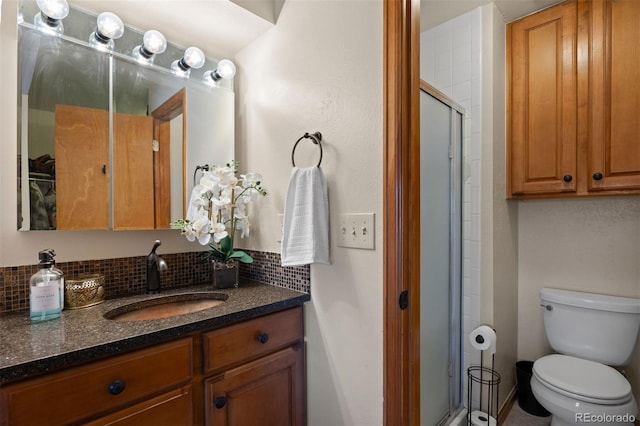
[219, 232]
[208, 183]
[251, 179]
[243, 225]
[199, 229]
[224, 177]
[219, 207]
[249, 195]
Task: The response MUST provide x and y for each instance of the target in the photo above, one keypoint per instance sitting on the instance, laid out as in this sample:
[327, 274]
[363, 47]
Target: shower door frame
[456, 153]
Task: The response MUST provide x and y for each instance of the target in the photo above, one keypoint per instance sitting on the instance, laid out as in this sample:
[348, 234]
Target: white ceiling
[225, 26]
[435, 12]
[228, 26]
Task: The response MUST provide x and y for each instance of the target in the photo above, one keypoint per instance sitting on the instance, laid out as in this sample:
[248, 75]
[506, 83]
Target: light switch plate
[356, 230]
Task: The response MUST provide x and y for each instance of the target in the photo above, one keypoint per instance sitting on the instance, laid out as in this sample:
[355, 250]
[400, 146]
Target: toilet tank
[592, 326]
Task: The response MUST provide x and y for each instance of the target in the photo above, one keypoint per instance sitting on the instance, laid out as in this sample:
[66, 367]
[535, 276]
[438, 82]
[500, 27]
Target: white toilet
[590, 332]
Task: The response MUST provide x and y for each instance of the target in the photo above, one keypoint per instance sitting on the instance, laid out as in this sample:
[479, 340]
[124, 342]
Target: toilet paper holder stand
[488, 381]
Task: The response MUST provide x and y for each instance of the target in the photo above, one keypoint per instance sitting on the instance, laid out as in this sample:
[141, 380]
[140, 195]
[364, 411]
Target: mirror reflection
[106, 143]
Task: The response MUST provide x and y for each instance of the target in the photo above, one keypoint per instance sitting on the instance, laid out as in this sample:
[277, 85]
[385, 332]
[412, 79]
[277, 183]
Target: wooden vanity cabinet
[256, 372]
[573, 86]
[137, 384]
[250, 372]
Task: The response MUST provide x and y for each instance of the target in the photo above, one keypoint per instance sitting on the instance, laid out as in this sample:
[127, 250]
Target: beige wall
[588, 245]
[320, 69]
[499, 292]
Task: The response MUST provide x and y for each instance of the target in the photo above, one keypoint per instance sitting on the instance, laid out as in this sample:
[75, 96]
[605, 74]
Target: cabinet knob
[263, 337]
[220, 402]
[567, 178]
[117, 386]
[597, 176]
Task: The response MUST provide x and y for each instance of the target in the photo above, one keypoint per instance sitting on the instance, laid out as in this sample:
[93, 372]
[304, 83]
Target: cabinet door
[614, 148]
[268, 391]
[542, 136]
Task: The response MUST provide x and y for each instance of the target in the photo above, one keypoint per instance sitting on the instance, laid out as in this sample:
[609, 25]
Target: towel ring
[195, 172]
[315, 138]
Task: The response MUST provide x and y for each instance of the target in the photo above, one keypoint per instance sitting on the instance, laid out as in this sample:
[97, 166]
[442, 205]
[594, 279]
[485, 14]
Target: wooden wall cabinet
[573, 98]
[250, 372]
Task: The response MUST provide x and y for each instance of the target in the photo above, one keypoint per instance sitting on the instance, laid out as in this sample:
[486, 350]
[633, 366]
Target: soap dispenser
[45, 286]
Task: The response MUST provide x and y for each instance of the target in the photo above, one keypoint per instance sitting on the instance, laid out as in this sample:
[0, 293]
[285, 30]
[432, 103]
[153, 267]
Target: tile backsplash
[126, 276]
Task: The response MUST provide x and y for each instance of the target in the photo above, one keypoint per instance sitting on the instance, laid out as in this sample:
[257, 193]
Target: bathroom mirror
[105, 142]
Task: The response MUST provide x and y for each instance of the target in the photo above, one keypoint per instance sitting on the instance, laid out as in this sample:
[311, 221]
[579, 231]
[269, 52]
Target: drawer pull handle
[117, 386]
[220, 402]
[567, 178]
[597, 176]
[263, 337]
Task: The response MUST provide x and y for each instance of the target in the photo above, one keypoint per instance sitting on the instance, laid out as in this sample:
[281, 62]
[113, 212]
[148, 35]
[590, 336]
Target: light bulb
[193, 58]
[54, 9]
[109, 27]
[49, 19]
[225, 70]
[153, 43]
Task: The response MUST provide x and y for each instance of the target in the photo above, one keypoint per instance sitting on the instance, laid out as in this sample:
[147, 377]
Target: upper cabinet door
[614, 143]
[542, 139]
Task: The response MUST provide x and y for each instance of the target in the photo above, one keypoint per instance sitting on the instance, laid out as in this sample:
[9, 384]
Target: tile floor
[518, 417]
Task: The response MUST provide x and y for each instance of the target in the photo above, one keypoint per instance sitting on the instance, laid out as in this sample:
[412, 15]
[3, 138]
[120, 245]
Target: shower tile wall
[450, 60]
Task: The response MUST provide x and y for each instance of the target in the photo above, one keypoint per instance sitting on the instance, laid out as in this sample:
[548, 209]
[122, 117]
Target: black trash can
[526, 400]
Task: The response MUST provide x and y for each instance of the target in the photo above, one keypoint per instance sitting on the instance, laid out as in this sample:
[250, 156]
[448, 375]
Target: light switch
[356, 230]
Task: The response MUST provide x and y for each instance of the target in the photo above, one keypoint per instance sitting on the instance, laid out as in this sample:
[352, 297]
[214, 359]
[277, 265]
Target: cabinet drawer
[172, 408]
[77, 393]
[238, 343]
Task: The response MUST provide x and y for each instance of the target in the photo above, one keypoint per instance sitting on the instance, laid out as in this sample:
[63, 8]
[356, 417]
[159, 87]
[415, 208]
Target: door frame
[401, 206]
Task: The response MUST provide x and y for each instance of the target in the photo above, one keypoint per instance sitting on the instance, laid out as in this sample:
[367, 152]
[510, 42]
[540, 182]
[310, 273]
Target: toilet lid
[586, 380]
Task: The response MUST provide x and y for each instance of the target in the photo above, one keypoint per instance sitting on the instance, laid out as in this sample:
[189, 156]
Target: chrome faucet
[155, 264]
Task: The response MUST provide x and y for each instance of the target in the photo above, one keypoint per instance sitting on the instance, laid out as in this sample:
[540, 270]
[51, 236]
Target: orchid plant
[218, 208]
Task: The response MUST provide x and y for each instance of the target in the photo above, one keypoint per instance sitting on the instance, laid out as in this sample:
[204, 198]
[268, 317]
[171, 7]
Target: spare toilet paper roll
[484, 338]
[480, 418]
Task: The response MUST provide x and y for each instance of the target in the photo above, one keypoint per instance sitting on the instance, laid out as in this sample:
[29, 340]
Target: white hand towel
[192, 208]
[305, 237]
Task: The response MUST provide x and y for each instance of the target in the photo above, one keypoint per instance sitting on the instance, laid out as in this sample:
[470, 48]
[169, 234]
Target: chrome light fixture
[193, 58]
[109, 27]
[52, 12]
[153, 43]
[225, 70]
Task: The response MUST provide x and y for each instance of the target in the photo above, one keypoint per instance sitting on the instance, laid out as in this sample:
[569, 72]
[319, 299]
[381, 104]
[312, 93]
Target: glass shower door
[440, 268]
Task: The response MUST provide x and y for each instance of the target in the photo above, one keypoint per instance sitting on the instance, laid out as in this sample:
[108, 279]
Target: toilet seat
[583, 380]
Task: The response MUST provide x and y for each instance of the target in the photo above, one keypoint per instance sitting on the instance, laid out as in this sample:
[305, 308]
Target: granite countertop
[81, 335]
